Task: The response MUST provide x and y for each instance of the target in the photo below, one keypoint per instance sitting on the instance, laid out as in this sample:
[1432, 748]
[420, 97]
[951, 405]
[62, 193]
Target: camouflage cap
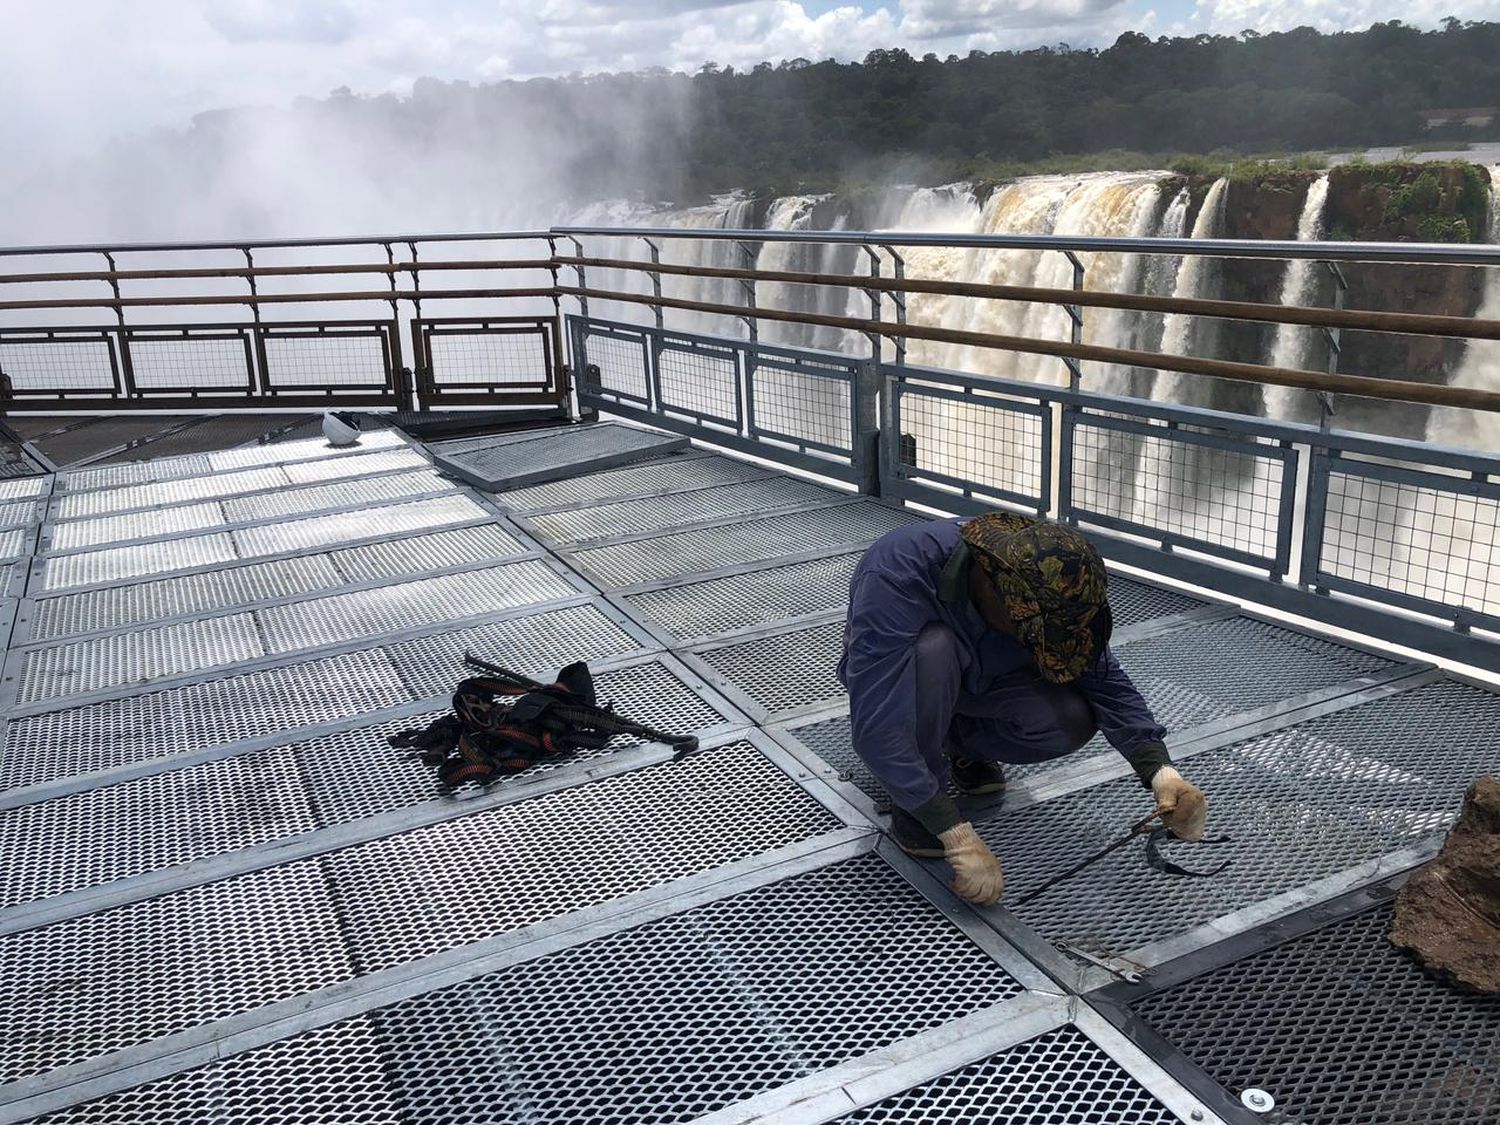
[1053, 582]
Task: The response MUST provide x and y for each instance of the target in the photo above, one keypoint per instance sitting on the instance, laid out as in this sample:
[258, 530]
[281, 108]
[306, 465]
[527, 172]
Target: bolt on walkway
[224, 897]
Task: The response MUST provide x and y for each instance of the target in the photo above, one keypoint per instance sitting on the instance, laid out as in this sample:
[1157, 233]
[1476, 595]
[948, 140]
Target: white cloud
[1229, 17]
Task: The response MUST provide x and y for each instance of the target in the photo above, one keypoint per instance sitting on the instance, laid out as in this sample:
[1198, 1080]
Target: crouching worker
[972, 643]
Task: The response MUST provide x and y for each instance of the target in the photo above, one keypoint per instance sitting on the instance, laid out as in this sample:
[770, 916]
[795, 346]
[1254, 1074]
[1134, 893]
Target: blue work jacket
[918, 575]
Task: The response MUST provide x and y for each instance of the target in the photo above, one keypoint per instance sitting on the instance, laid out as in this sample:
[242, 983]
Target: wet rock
[1448, 914]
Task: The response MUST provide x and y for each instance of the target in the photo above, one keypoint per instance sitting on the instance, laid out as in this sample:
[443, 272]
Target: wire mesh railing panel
[620, 356]
[759, 597]
[666, 475]
[1426, 539]
[1212, 492]
[302, 358]
[51, 362]
[1340, 1028]
[496, 357]
[806, 402]
[428, 890]
[1298, 805]
[120, 732]
[989, 446]
[675, 509]
[130, 974]
[191, 360]
[784, 670]
[700, 380]
[1060, 1078]
[680, 553]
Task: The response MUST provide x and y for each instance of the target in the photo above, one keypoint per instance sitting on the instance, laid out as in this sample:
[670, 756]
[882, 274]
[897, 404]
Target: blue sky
[82, 71]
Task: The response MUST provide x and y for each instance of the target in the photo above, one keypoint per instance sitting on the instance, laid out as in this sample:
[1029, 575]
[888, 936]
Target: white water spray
[1194, 276]
[1294, 345]
[1480, 366]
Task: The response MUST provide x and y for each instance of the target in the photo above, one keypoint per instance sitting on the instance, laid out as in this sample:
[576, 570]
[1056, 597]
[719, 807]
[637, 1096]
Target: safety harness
[504, 722]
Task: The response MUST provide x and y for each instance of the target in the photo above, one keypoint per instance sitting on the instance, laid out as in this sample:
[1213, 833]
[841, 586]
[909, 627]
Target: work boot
[975, 777]
[911, 837]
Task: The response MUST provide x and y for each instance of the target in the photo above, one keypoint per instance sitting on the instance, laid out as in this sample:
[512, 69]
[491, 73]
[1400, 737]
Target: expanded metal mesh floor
[212, 863]
[1340, 1028]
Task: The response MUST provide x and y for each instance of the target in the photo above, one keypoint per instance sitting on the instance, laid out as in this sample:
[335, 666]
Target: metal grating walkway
[223, 896]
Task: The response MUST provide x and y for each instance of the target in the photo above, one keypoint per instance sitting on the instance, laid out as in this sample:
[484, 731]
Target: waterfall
[1480, 366]
[804, 212]
[1183, 334]
[724, 213]
[1294, 345]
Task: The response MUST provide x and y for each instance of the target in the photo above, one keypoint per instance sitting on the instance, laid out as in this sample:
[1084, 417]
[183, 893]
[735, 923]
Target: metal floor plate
[217, 807]
[784, 671]
[518, 460]
[1340, 1028]
[680, 553]
[666, 474]
[1060, 1078]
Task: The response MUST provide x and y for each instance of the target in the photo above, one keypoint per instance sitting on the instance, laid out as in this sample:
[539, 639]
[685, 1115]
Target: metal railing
[1392, 538]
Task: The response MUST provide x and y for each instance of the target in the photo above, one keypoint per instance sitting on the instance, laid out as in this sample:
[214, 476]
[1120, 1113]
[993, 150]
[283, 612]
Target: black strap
[1158, 862]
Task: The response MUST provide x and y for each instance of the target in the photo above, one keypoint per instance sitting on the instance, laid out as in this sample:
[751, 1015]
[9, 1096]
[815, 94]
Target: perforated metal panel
[315, 498]
[113, 563]
[1340, 1028]
[119, 732]
[1133, 602]
[691, 552]
[306, 449]
[1061, 1078]
[538, 644]
[114, 476]
[832, 740]
[14, 543]
[130, 974]
[676, 509]
[78, 505]
[332, 468]
[426, 552]
[757, 989]
[550, 454]
[1300, 804]
[21, 489]
[419, 893]
[1193, 675]
[17, 515]
[784, 670]
[668, 474]
[122, 606]
[407, 605]
[759, 597]
[211, 808]
[138, 525]
[131, 658]
[325, 531]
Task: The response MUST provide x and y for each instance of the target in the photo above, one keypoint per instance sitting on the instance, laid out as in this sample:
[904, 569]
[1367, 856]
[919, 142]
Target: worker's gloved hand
[977, 875]
[1182, 805]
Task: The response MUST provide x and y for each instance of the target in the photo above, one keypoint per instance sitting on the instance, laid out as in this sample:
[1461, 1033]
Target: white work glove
[1182, 805]
[976, 871]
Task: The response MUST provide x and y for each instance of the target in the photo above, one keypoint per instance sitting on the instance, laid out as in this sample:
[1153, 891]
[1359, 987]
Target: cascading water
[1295, 345]
[1480, 366]
[793, 213]
[1189, 335]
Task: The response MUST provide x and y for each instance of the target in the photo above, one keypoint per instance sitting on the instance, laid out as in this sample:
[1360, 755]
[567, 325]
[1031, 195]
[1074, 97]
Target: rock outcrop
[1448, 914]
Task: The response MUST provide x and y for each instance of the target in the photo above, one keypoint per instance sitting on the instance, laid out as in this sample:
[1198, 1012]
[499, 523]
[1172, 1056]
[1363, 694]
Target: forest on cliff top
[804, 125]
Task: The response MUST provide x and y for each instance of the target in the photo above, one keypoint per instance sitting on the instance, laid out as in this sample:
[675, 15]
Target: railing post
[748, 255]
[579, 276]
[898, 299]
[1075, 314]
[1325, 399]
[126, 370]
[869, 436]
[873, 295]
[655, 276]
